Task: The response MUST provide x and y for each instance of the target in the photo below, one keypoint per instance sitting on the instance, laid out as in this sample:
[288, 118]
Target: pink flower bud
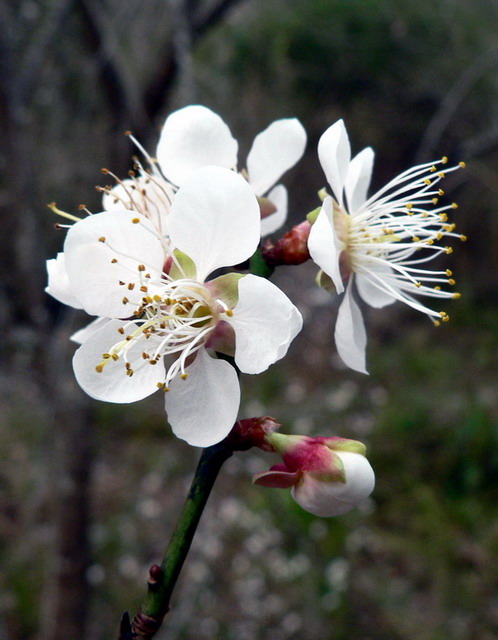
[327, 476]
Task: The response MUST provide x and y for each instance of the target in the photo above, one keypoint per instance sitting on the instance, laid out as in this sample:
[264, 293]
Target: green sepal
[226, 287]
[313, 215]
[325, 282]
[183, 266]
[344, 444]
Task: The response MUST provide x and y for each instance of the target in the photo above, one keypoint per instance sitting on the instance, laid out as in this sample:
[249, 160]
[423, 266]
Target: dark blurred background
[89, 492]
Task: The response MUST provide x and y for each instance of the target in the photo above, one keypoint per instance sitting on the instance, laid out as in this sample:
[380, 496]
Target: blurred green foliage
[414, 80]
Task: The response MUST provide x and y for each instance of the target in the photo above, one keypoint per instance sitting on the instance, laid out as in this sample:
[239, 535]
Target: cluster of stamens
[402, 219]
[175, 321]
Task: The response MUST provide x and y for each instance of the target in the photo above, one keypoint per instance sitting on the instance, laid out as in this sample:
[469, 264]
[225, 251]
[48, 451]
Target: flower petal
[358, 179]
[91, 247]
[350, 334]
[274, 151]
[59, 286]
[215, 220]
[369, 289]
[191, 138]
[278, 197]
[80, 336]
[203, 408]
[113, 384]
[335, 498]
[265, 322]
[324, 245]
[334, 152]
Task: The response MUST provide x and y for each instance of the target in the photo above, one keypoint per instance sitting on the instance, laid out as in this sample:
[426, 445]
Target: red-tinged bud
[327, 476]
[252, 432]
[291, 249]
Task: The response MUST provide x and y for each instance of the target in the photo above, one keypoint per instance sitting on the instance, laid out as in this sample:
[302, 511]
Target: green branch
[162, 579]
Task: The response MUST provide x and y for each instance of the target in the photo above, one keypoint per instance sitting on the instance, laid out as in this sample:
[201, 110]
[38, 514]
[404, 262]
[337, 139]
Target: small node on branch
[251, 432]
[291, 249]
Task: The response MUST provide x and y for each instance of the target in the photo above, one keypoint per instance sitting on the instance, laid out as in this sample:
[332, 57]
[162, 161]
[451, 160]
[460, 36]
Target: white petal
[203, 408]
[350, 334]
[93, 275]
[370, 291]
[112, 384]
[328, 499]
[59, 286]
[334, 152]
[194, 137]
[215, 220]
[265, 322]
[324, 245]
[274, 151]
[358, 179]
[278, 196]
[80, 336]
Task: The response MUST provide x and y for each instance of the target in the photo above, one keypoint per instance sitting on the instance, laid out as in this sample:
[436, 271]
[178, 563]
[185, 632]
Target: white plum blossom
[381, 243]
[162, 319]
[196, 136]
[327, 476]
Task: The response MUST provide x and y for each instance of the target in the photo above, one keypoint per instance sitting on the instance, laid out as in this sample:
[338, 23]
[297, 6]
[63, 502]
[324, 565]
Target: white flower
[195, 136]
[163, 314]
[381, 243]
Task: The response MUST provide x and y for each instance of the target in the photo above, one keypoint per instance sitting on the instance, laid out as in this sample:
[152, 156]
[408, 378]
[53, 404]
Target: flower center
[176, 321]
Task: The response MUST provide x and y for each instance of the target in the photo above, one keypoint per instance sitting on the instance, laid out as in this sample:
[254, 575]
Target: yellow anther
[141, 267]
[437, 323]
[100, 367]
[409, 205]
[102, 239]
[114, 356]
[125, 300]
[229, 313]
[418, 285]
[446, 319]
[131, 286]
[160, 385]
[157, 298]
[454, 205]
[463, 238]
[462, 164]
[457, 295]
[104, 171]
[128, 365]
[444, 160]
[427, 181]
[435, 200]
[129, 372]
[432, 169]
[184, 376]
[441, 174]
[121, 330]
[439, 236]
[145, 355]
[144, 289]
[451, 281]
[440, 192]
[106, 356]
[135, 220]
[449, 272]
[437, 288]
[114, 260]
[416, 239]
[153, 361]
[443, 216]
[448, 250]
